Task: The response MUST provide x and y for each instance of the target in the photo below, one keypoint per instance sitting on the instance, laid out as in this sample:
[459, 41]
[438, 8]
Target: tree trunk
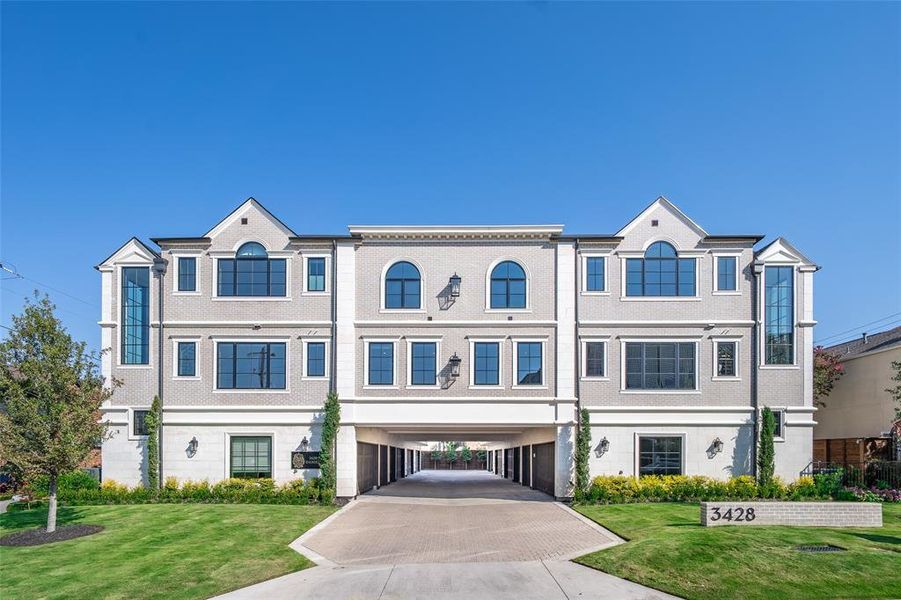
[51, 510]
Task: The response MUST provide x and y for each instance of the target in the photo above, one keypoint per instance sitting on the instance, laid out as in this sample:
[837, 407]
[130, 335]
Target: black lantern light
[192, 446]
[455, 365]
[717, 446]
[602, 447]
[304, 444]
[454, 283]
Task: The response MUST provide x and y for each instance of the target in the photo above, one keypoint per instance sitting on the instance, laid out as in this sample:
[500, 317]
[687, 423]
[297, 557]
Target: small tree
[152, 421]
[766, 453]
[327, 464]
[451, 454]
[583, 449]
[895, 392]
[52, 393]
[466, 455]
[827, 370]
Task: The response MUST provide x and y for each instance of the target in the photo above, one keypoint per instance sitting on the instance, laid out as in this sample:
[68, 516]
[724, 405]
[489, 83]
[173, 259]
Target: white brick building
[673, 339]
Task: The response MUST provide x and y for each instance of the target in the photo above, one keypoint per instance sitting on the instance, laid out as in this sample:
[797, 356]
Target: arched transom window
[660, 273]
[403, 286]
[508, 286]
[252, 273]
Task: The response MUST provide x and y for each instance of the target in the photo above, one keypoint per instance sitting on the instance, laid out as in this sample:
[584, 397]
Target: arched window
[508, 286]
[252, 273]
[660, 273]
[402, 286]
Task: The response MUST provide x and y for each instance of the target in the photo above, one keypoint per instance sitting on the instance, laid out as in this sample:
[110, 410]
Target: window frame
[653, 434]
[306, 352]
[380, 386]
[779, 413]
[176, 260]
[286, 255]
[584, 376]
[528, 291]
[215, 358]
[794, 318]
[544, 375]
[272, 450]
[120, 346]
[673, 340]
[716, 341]
[383, 306]
[694, 255]
[586, 256]
[131, 422]
[306, 274]
[736, 257]
[500, 363]
[409, 369]
[181, 340]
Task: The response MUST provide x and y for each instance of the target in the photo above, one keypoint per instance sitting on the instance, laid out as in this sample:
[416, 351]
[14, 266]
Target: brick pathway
[454, 517]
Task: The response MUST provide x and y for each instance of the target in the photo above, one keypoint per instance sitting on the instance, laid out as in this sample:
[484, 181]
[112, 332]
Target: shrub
[774, 490]
[74, 480]
[828, 485]
[802, 489]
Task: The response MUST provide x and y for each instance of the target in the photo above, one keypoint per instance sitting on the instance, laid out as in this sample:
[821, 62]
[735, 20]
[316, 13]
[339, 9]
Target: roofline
[237, 208]
[728, 238]
[323, 237]
[594, 237]
[136, 239]
[464, 230]
[175, 240]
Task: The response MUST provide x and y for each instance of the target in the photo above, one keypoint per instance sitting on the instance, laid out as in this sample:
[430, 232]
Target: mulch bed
[36, 537]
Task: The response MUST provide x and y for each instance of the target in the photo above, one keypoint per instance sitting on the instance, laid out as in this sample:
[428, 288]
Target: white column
[564, 462]
[345, 365]
[566, 321]
[347, 461]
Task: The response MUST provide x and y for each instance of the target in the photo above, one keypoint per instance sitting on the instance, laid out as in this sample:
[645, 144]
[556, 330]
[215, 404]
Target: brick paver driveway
[454, 517]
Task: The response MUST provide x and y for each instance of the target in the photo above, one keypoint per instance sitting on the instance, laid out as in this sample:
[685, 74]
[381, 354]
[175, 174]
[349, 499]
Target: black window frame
[135, 352]
[779, 345]
[187, 277]
[602, 362]
[496, 370]
[370, 363]
[720, 361]
[220, 360]
[506, 281]
[182, 362]
[139, 422]
[595, 278]
[647, 359]
[416, 360]
[309, 357]
[246, 473]
[529, 378]
[404, 282]
[662, 457]
[660, 262]
[320, 283]
[733, 273]
[230, 269]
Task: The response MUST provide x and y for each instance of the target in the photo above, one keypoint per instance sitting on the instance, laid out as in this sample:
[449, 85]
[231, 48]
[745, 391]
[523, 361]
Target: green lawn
[156, 550]
[670, 551]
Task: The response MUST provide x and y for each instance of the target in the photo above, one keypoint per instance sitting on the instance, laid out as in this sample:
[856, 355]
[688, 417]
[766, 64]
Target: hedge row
[621, 489]
[77, 489]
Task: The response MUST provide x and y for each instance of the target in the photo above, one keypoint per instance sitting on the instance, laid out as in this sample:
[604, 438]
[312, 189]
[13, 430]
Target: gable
[781, 251]
[672, 226]
[250, 222]
[134, 251]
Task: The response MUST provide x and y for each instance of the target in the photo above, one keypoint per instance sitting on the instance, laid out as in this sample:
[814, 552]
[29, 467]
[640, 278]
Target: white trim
[702, 323]
[394, 383]
[716, 340]
[525, 269]
[131, 422]
[278, 324]
[679, 254]
[196, 340]
[466, 230]
[637, 445]
[761, 299]
[420, 340]
[305, 342]
[287, 256]
[583, 287]
[661, 201]
[583, 370]
[304, 268]
[228, 449]
[254, 340]
[239, 212]
[515, 373]
[736, 256]
[382, 284]
[176, 256]
[500, 362]
[120, 327]
[666, 340]
[435, 323]
[779, 413]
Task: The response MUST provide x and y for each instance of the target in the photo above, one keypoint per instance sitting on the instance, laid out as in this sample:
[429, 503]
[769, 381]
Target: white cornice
[454, 231]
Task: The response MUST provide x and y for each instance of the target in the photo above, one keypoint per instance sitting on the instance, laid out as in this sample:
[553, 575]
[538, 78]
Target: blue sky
[158, 119]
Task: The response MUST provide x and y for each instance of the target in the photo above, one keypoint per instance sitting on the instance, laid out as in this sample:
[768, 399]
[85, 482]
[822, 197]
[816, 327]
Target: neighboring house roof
[867, 343]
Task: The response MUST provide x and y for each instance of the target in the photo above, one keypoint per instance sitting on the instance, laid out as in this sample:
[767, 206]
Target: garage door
[383, 462]
[516, 455]
[543, 467]
[392, 455]
[401, 463]
[526, 465]
[497, 462]
[508, 463]
[367, 466]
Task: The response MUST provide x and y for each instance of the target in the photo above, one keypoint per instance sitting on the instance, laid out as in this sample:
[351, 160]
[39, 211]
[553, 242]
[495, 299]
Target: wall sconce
[717, 446]
[304, 444]
[454, 283]
[455, 365]
[602, 447]
[192, 447]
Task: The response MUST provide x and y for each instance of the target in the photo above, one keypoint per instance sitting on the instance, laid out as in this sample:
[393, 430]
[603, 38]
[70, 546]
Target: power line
[59, 308]
[841, 333]
[11, 268]
[857, 335]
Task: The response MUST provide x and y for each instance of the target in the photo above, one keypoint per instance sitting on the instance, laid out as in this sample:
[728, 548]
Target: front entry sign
[305, 460]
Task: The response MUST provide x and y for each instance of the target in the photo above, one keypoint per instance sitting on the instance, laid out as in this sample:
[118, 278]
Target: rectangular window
[251, 456]
[594, 359]
[316, 274]
[135, 316]
[594, 276]
[726, 280]
[187, 274]
[660, 455]
[187, 359]
[252, 277]
[487, 363]
[660, 277]
[381, 363]
[725, 359]
[779, 314]
[660, 366]
[528, 363]
[424, 359]
[138, 422]
[316, 359]
[779, 417]
[251, 366]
